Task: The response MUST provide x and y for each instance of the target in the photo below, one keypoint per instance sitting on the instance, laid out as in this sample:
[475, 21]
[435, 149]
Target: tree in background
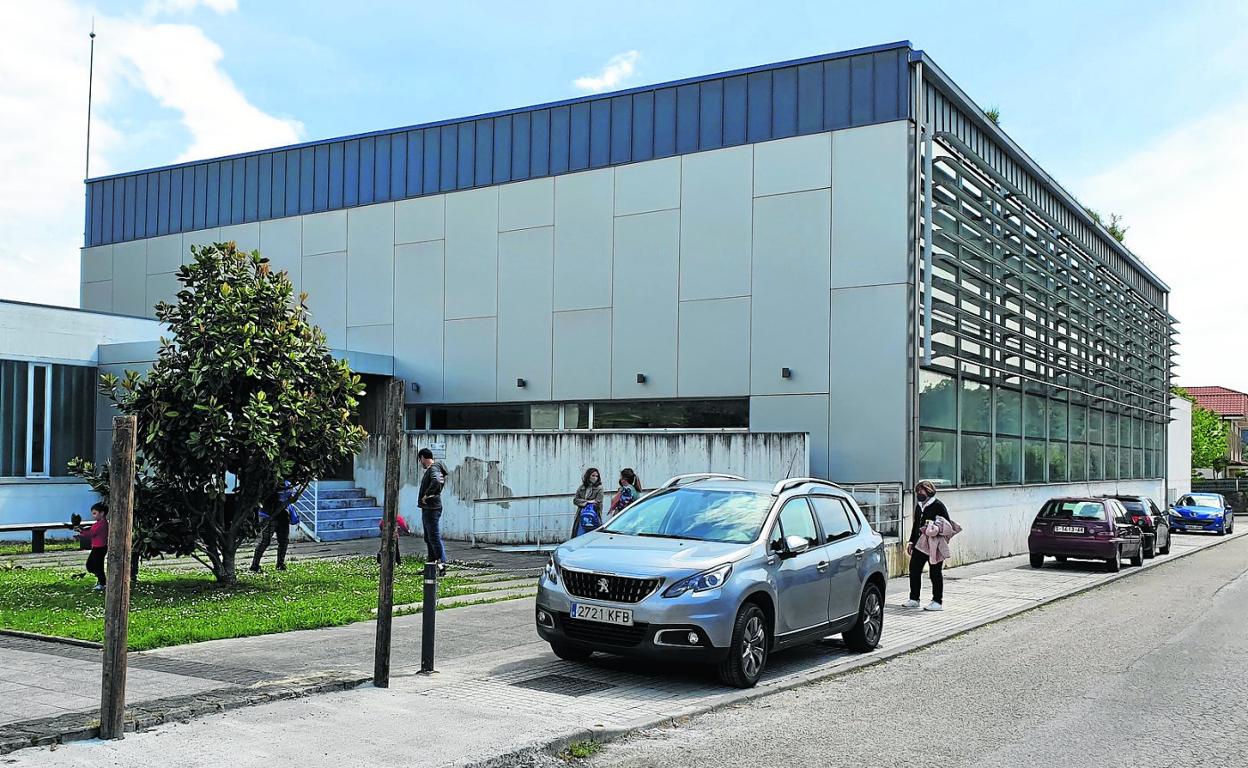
[1210, 436]
[246, 387]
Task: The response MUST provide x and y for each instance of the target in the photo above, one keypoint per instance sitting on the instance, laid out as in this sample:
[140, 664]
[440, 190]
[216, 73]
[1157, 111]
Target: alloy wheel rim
[753, 647]
[873, 620]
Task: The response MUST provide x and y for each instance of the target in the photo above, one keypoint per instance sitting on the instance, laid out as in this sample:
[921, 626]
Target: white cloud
[1182, 198]
[155, 7]
[43, 75]
[614, 74]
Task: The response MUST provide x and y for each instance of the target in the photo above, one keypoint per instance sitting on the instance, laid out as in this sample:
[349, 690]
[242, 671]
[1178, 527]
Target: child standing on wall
[97, 535]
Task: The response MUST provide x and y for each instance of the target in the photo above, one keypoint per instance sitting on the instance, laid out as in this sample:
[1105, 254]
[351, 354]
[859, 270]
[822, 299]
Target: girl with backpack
[630, 489]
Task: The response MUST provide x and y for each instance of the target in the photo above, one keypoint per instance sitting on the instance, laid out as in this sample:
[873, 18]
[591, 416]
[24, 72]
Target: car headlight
[552, 570]
[700, 582]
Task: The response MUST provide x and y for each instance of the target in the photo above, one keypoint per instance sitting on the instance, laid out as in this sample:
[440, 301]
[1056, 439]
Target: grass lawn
[10, 548]
[175, 608]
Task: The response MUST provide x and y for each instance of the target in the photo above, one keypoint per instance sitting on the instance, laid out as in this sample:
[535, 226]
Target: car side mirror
[792, 546]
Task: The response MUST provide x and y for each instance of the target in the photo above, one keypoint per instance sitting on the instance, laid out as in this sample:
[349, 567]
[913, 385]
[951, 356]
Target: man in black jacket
[927, 509]
[430, 503]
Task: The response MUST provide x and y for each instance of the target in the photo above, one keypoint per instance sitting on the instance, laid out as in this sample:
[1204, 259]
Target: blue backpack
[587, 520]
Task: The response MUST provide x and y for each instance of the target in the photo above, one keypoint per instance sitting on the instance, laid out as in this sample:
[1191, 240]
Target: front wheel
[865, 635]
[747, 653]
[1037, 560]
[570, 652]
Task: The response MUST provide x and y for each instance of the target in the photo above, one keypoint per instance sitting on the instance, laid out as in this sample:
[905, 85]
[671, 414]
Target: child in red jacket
[97, 535]
[401, 529]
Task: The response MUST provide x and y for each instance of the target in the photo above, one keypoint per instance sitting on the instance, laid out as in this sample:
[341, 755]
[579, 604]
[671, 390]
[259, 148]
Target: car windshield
[693, 513]
[1201, 500]
[1074, 510]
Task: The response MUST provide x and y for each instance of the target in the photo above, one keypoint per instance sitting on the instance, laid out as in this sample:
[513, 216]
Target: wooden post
[385, 589]
[117, 570]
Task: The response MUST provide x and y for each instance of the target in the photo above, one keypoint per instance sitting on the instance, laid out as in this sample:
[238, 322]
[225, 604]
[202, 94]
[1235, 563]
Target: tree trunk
[227, 574]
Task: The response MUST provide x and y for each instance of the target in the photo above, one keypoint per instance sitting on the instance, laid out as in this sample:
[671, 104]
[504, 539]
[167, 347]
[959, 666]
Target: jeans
[273, 525]
[432, 521]
[917, 561]
[95, 564]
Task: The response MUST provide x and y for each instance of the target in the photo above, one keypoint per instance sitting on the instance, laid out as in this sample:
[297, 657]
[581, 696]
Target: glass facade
[47, 417]
[605, 415]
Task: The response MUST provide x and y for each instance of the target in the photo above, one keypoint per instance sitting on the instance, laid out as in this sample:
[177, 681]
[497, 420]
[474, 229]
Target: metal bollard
[427, 615]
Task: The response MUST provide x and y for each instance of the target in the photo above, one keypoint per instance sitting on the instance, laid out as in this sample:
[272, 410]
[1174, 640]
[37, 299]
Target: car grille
[603, 634]
[619, 589]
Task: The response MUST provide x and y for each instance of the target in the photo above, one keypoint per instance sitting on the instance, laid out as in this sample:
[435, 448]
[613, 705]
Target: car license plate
[602, 614]
[1068, 529]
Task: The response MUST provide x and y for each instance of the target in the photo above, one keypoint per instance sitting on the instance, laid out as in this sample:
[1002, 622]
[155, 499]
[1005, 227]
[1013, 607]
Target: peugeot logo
[604, 585]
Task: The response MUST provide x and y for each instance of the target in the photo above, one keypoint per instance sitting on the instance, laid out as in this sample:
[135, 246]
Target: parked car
[1202, 512]
[1085, 529]
[716, 569]
[1154, 523]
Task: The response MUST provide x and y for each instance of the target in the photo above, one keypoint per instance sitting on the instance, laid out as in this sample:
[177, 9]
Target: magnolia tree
[246, 386]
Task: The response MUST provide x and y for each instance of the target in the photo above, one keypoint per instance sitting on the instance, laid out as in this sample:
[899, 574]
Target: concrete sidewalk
[499, 690]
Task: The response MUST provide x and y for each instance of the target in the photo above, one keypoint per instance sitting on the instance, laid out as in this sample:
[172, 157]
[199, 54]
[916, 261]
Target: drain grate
[564, 685]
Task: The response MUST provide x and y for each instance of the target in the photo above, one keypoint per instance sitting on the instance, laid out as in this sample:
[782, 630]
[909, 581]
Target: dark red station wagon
[1085, 529]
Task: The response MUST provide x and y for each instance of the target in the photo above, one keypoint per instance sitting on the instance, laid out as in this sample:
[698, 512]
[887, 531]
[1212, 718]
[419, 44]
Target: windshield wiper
[664, 536]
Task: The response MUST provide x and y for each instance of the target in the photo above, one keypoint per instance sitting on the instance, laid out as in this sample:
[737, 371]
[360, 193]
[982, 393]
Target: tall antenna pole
[90, 82]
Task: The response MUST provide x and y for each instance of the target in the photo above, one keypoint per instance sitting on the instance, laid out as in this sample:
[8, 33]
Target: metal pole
[117, 595]
[927, 243]
[385, 588]
[90, 83]
[427, 613]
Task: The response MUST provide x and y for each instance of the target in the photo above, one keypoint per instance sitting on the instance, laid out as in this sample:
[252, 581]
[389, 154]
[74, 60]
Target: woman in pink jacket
[929, 545]
[97, 534]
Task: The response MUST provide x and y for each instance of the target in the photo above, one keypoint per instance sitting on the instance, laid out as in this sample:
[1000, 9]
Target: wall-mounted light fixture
[786, 373]
[641, 378]
[415, 387]
[521, 383]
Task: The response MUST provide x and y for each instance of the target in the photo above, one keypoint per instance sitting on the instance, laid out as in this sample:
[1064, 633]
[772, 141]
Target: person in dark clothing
[274, 519]
[927, 509]
[430, 502]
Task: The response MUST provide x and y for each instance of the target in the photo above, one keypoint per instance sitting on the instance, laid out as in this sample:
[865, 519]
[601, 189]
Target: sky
[1138, 108]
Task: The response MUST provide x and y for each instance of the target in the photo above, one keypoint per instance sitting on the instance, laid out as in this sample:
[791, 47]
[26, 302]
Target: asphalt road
[1146, 671]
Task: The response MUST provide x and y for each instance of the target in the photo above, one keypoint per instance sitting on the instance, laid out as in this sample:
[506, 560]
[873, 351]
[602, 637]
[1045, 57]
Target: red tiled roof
[1221, 400]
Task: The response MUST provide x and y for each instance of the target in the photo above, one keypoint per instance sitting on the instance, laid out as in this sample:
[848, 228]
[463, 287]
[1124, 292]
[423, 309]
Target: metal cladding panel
[758, 104]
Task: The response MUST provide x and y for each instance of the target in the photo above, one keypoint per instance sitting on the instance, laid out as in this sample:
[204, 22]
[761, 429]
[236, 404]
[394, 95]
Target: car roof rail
[679, 480]
[793, 482]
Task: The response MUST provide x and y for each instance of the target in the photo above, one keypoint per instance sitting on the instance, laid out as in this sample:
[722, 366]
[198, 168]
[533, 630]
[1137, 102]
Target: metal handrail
[695, 476]
[794, 482]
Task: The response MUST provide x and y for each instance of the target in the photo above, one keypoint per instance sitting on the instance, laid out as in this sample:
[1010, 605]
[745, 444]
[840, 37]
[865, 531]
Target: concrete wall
[707, 272]
[541, 471]
[43, 501]
[995, 521]
[1178, 450]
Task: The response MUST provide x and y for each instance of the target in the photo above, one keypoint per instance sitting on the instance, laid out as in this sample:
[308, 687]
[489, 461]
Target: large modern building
[843, 245]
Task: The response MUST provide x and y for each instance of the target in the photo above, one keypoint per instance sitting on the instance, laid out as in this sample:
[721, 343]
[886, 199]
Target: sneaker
[255, 569]
[98, 588]
[933, 606]
[442, 568]
[911, 604]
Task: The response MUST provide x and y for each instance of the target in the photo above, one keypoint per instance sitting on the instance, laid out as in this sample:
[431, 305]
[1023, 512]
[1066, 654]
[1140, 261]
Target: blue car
[1197, 512]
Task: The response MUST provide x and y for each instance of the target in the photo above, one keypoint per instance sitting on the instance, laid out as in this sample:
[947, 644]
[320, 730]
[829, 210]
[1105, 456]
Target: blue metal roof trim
[810, 95]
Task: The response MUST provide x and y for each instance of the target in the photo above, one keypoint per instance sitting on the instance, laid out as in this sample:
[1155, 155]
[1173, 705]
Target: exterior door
[801, 580]
[845, 554]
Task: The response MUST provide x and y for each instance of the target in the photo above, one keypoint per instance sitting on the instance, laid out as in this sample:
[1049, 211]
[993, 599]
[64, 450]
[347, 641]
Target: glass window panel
[1111, 463]
[1009, 412]
[1111, 429]
[414, 418]
[1078, 422]
[1096, 432]
[976, 406]
[1009, 453]
[1034, 461]
[672, 414]
[544, 415]
[1033, 415]
[14, 387]
[1096, 462]
[1057, 419]
[1078, 462]
[576, 416]
[976, 465]
[38, 420]
[1057, 462]
[937, 400]
[1137, 463]
[938, 456]
[484, 417]
[73, 416]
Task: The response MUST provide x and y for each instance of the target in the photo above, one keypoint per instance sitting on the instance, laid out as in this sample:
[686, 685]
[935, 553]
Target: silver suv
[716, 569]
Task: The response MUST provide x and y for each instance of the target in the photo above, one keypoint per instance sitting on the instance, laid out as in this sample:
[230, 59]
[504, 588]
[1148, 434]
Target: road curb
[52, 639]
[607, 734]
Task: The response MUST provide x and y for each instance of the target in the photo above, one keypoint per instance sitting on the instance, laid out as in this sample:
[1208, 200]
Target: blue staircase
[345, 512]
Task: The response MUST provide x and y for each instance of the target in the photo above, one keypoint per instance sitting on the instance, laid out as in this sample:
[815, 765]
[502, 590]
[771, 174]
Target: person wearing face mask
[927, 509]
